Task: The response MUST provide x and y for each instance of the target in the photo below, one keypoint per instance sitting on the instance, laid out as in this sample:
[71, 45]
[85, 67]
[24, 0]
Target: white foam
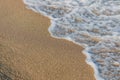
[88, 23]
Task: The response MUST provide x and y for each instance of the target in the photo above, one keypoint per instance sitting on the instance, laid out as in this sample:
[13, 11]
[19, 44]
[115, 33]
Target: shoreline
[84, 26]
[40, 55]
[84, 51]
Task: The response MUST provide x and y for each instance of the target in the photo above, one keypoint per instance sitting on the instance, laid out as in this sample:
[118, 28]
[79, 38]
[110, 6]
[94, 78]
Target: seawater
[93, 24]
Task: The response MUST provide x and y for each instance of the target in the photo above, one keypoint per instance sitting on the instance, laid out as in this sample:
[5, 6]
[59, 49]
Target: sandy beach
[28, 52]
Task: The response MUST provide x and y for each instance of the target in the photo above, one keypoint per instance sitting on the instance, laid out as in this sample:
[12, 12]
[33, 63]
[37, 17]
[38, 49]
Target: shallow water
[93, 24]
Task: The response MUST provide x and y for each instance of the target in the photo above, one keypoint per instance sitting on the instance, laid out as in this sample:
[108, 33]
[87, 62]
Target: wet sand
[28, 52]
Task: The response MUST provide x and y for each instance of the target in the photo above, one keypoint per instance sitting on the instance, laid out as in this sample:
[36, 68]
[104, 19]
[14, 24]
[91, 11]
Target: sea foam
[93, 24]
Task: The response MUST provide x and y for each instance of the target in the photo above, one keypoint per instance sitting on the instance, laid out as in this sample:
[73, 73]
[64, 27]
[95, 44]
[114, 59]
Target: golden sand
[28, 52]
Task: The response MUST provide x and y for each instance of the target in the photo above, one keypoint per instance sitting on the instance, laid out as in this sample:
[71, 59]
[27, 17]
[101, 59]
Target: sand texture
[28, 52]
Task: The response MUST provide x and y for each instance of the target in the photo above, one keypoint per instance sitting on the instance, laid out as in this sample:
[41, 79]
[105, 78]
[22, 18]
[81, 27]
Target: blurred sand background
[27, 52]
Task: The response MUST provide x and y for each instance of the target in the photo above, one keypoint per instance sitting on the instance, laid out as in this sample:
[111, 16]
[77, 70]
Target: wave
[93, 24]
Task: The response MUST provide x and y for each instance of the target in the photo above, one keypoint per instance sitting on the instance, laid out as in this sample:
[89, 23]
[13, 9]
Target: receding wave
[93, 24]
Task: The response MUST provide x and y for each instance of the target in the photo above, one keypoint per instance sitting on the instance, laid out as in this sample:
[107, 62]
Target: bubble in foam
[92, 23]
